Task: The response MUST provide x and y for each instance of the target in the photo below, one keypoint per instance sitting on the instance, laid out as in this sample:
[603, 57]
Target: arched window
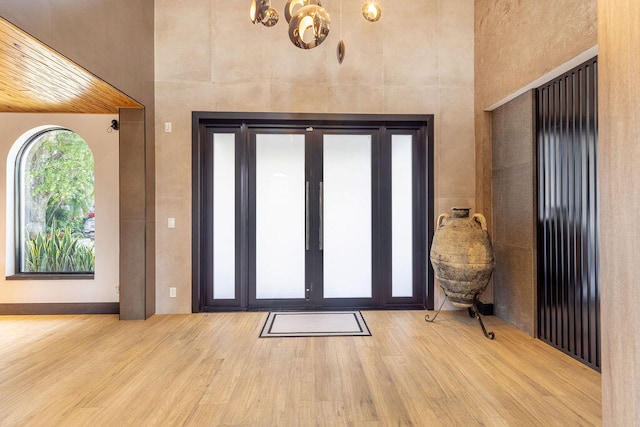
[54, 200]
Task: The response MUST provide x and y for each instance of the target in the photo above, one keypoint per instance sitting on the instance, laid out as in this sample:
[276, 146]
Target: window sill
[51, 276]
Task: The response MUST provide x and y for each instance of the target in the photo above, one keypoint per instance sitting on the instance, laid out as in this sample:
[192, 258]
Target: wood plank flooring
[212, 369]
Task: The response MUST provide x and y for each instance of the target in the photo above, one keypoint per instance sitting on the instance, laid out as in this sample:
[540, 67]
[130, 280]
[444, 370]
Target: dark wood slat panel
[568, 294]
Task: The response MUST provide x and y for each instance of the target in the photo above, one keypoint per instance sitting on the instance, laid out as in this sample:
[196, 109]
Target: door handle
[320, 222]
[306, 216]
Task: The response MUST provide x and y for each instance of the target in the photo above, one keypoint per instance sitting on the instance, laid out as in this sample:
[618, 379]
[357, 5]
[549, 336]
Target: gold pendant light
[309, 27]
[371, 10]
[309, 23]
[341, 50]
[292, 6]
[261, 11]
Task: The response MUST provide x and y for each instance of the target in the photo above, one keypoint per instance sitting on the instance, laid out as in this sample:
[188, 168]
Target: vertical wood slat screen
[568, 286]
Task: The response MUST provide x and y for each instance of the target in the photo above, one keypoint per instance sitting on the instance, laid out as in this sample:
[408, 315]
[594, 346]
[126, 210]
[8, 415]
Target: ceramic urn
[462, 255]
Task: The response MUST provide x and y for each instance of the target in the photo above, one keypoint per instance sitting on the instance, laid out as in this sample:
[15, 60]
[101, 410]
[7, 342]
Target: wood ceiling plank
[36, 78]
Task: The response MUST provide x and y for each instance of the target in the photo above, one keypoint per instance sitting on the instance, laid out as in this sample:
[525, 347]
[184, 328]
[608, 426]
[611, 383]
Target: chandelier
[309, 23]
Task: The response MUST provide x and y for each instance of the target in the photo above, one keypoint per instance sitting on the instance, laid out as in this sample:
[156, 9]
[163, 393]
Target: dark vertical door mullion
[426, 202]
[418, 207]
[314, 257]
[206, 222]
[383, 233]
[251, 207]
[380, 210]
[313, 176]
[242, 216]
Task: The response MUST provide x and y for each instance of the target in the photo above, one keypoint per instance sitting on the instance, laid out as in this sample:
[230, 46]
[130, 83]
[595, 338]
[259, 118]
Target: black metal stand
[473, 313]
[426, 317]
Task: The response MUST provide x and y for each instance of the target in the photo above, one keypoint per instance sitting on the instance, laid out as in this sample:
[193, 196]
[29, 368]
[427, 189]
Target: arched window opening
[54, 201]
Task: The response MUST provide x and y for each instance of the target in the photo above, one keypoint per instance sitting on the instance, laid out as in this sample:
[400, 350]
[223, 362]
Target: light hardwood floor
[212, 369]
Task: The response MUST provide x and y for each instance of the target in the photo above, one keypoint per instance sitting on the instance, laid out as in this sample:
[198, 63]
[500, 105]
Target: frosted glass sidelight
[347, 216]
[280, 216]
[224, 216]
[401, 217]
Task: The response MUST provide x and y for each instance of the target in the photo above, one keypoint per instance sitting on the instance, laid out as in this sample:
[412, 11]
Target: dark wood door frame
[420, 126]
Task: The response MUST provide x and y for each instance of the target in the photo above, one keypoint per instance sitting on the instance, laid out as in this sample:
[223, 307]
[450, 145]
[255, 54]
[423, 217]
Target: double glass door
[311, 217]
[312, 222]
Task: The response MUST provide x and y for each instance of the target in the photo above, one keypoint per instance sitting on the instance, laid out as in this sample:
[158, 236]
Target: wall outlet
[172, 292]
[171, 222]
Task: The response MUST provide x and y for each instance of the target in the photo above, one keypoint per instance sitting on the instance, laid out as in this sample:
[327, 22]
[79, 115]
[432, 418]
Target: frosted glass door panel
[401, 217]
[346, 235]
[224, 216]
[280, 216]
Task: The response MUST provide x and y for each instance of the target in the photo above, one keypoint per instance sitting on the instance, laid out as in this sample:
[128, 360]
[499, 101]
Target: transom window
[54, 199]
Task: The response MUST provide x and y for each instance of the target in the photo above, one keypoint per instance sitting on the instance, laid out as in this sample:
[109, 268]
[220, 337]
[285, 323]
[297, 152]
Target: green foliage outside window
[59, 251]
[58, 195]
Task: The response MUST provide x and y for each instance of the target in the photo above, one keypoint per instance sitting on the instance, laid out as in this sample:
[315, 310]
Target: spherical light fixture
[292, 5]
[270, 17]
[371, 10]
[309, 27]
[309, 22]
[258, 10]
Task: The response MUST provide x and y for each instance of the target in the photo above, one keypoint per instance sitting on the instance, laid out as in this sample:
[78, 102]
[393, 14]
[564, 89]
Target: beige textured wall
[619, 157]
[514, 215]
[417, 59]
[104, 146]
[517, 42]
[113, 39]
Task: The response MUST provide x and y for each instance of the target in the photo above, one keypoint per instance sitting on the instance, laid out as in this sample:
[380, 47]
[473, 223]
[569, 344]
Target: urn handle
[441, 218]
[480, 219]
